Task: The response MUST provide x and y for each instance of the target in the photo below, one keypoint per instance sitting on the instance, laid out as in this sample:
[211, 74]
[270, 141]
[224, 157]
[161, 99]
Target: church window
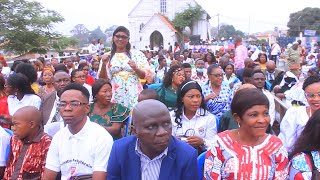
[163, 6]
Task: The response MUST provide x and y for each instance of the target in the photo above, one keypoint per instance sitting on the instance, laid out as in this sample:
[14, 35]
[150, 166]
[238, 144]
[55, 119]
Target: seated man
[152, 153]
[4, 143]
[81, 149]
[29, 145]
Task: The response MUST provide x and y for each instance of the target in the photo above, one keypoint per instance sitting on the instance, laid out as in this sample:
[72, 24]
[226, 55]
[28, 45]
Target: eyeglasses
[217, 75]
[81, 77]
[121, 37]
[311, 95]
[85, 69]
[72, 104]
[66, 80]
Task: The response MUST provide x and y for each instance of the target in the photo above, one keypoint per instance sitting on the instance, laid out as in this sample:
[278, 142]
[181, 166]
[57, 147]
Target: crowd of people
[150, 115]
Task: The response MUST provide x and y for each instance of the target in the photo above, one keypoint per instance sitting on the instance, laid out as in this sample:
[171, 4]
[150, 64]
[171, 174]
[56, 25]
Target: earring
[238, 124]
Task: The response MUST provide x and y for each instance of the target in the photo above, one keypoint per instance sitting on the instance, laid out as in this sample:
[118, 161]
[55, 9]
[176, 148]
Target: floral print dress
[126, 84]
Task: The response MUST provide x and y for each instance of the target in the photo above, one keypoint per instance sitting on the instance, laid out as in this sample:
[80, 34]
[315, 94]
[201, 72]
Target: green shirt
[167, 96]
[117, 113]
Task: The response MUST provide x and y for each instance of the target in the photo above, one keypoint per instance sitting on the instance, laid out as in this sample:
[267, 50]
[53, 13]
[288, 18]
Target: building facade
[150, 23]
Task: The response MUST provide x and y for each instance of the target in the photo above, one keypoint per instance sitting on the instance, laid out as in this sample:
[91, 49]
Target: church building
[150, 23]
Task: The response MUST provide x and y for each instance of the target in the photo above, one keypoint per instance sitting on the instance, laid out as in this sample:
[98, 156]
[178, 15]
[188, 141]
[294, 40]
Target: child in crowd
[29, 146]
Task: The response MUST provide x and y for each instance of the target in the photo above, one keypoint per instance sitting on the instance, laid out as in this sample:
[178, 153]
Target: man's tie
[270, 77]
[56, 117]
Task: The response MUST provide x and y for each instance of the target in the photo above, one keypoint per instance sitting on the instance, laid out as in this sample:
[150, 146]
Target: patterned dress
[221, 104]
[125, 82]
[117, 113]
[228, 159]
[301, 168]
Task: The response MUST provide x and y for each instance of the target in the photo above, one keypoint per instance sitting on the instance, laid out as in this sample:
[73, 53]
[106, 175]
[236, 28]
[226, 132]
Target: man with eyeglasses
[81, 149]
[153, 153]
[51, 119]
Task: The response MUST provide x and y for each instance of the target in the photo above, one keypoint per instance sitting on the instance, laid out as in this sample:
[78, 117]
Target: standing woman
[191, 122]
[109, 115]
[124, 68]
[305, 163]
[47, 76]
[247, 152]
[217, 96]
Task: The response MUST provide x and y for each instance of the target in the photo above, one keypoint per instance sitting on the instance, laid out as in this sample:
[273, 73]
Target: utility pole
[218, 25]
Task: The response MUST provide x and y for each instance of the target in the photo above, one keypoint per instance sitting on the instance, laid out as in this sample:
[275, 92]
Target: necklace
[173, 90]
[310, 114]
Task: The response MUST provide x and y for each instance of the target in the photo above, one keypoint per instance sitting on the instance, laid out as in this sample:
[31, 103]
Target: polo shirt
[81, 153]
[28, 100]
[4, 143]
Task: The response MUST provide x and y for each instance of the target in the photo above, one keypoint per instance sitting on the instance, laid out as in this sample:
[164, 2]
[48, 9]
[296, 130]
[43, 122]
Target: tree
[187, 17]
[308, 18]
[64, 42]
[82, 33]
[27, 26]
[227, 31]
[97, 34]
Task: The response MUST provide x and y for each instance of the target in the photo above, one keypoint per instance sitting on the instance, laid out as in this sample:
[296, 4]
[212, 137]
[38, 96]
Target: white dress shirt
[201, 125]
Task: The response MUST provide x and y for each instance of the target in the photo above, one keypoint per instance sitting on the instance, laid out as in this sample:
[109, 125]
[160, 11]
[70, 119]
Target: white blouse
[292, 125]
[201, 125]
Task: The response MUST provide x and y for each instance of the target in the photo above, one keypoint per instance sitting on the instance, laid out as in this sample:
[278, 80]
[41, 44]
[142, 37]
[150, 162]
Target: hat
[289, 45]
[222, 39]
[295, 43]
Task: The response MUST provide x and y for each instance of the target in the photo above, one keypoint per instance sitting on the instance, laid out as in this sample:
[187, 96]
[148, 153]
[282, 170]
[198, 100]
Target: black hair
[225, 67]
[185, 65]
[256, 72]
[28, 70]
[167, 79]
[73, 73]
[15, 64]
[150, 94]
[262, 54]
[245, 99]
[114, 47]
[2, 82]
[214, 60]
[161, 58]
[212, 67]
[78, 87]
[20, 82]
[82, 65]
[61, 67]
[309, 139]
[94, 61]
[310, 80]
[97, 85]
[184, 87]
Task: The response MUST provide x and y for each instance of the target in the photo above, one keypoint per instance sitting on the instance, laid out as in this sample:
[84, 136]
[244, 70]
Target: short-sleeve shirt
[81, 153]
[27, 100]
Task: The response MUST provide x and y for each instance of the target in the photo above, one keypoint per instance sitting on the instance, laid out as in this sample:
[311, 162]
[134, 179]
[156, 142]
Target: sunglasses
[121, 37]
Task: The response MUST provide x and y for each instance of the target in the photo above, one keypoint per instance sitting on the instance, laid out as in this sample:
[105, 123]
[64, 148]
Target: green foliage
[26, 26]
[82, 33]
[308, 18]
[228, 31]
[187, 17]
[64, 42]
[97, 34]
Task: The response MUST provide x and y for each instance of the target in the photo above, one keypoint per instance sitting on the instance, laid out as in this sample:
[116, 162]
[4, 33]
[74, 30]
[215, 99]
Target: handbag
[314, 170]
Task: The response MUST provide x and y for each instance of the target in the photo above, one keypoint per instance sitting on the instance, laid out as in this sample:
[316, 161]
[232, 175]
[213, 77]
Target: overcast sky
[246, 15]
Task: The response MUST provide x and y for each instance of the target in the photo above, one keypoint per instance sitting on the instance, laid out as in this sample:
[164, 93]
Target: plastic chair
[201, 158]
[8, 147]
[128, 126]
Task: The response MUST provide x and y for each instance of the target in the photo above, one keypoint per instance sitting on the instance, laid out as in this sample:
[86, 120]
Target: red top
[90, 80]
[4, 109]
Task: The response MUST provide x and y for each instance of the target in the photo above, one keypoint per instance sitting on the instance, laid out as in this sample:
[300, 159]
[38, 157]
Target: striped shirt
[150, 168]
